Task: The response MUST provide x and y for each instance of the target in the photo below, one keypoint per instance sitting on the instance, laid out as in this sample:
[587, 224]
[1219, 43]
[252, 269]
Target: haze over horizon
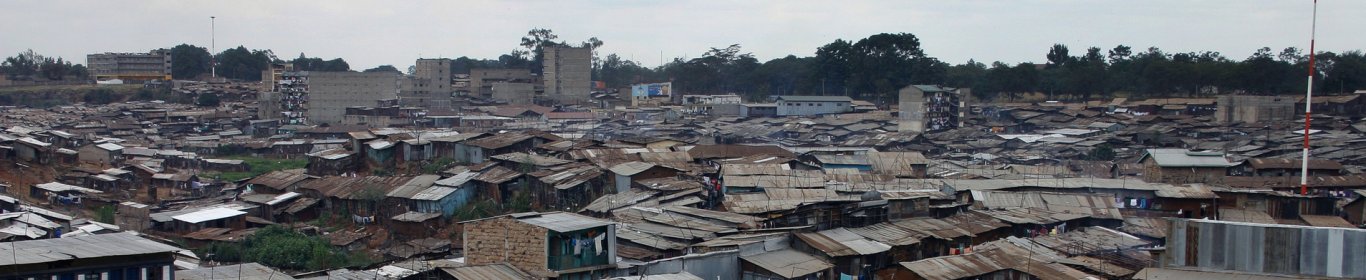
[370, 34]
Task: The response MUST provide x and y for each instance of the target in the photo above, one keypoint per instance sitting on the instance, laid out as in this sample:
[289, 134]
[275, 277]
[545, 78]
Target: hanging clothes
[597, 243]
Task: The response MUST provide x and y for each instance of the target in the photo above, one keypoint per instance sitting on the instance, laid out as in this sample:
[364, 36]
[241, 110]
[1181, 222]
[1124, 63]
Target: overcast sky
[371, 33]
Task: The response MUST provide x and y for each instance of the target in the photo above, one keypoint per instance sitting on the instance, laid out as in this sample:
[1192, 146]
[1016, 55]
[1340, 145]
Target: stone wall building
[567, 74]
[550, 245]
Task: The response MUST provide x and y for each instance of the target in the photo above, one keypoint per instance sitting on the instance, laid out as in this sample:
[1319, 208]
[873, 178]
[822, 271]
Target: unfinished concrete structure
[482, 80]
[429, 86]
[926, 108]
[152, 65]
[330, 93]
[1254, 109]
[567, 74]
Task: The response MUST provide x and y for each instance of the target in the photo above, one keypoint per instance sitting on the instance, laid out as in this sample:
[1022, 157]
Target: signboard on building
[652, 90]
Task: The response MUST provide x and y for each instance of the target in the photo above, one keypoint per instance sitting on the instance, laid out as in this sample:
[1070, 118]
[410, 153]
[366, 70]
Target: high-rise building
[929, 108]
[153, 65]
[567, 73]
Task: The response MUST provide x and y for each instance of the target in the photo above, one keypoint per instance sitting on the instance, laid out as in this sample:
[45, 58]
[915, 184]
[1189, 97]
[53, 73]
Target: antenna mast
[1308, 104]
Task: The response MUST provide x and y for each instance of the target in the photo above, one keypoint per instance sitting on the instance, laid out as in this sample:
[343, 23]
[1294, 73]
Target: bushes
[277, 246]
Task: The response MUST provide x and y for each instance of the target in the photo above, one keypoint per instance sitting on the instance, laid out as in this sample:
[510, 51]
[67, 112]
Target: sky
[372, 33]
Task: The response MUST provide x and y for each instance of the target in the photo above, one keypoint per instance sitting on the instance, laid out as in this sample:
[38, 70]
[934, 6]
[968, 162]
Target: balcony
[570, 262]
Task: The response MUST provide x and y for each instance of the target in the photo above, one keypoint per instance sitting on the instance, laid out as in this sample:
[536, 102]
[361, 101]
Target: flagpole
[1308, 103]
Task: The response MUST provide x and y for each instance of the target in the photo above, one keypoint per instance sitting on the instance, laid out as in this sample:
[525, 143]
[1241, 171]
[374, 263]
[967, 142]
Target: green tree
[382, 68]
[1057, 55]
[99, 96]
[242, 64]
[304, 63]
[833, 67]
[26, 63]
[105, 214]
[207, 100]
[1102, 152]
[189, 61]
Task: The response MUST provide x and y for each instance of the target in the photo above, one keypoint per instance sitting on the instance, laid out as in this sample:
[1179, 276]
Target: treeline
[31, 65]
[874, 68]
[190, 61]
[871, 68]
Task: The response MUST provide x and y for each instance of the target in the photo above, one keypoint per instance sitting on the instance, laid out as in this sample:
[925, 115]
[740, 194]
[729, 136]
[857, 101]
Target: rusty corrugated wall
[1266, 248]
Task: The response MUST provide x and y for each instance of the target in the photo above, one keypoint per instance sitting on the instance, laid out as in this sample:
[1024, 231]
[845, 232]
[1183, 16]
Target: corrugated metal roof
[414, 186]
[280, 179]
[992, 257]
[208, 215]
[60, 187]
[497, 175]
[564, 222]
[841, 242]
[498, 271]
[1246, 216]
[788, 263]
[1159, 273]
[80, 247]
[1093, 205]
[673, 276]
[648, 239]
[247, 271]
[1185, 158]
[814, 98]
[631, 168]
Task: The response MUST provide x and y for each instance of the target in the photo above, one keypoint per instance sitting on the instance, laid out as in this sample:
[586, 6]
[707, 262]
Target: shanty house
[853, 256]
[32, 150]
[217, 217]
[331, 162]
[625, 173]
[107, 153]
[1180, 166]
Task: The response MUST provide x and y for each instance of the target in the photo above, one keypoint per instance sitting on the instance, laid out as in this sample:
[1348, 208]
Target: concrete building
[795, 105]
[514, 93]
[330, 93]
[287, 99]
[152, 65]
[429, 86]
[548, 245]
[1254, 109]
[929, 108]
[567, 74]
[481, 80]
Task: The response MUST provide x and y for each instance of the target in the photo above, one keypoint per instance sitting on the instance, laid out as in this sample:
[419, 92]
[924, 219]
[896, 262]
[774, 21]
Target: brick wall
[506, 240]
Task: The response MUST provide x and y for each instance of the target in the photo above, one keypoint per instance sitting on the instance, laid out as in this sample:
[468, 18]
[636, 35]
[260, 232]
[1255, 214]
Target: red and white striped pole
[1308, 103]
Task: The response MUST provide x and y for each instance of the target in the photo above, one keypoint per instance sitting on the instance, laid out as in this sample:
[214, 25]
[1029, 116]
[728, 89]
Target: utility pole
[213, 46]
